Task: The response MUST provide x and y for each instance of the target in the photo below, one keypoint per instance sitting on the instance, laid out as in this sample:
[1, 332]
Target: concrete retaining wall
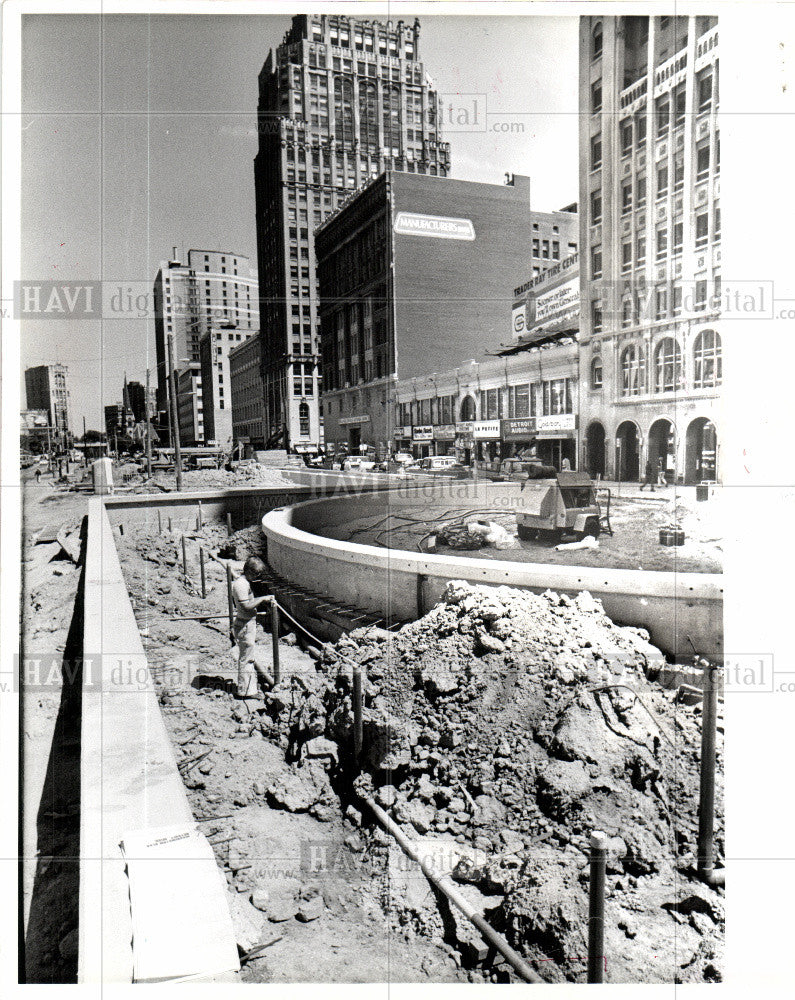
[674, 608]
[128, 773]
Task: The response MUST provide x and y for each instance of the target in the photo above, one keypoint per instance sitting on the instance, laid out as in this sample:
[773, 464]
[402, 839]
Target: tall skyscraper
[214, 290]
[650, 246]
[340, 100]
[46, 389]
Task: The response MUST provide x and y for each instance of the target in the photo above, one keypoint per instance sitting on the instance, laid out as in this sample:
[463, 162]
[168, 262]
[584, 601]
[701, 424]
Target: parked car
[404, 458]
[440, 465]
[513, 470]
[358, 463]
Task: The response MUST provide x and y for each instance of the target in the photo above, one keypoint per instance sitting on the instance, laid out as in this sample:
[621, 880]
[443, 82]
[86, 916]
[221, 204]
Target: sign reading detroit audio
[413, 224]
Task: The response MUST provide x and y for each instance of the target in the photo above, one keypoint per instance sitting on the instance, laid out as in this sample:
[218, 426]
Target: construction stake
[199, 517]
[228, 524]
[706, 802]
[596, 908]
[275, 640]
[184, 560]
[229, 595]
[201, 568]
[170, 529]
[159, 524]
[358, 703]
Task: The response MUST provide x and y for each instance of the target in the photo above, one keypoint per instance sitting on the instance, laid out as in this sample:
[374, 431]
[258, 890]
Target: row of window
[526, 399]
[667, 371]
[660, 302]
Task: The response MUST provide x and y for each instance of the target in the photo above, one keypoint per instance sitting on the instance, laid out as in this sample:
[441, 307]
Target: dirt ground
[519, 760]
[636, 519]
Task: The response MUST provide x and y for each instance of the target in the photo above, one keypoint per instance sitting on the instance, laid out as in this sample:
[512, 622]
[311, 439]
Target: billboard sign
[438, 226]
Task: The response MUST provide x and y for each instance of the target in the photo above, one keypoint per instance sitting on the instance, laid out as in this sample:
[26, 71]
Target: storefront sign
[403, 432]
[518, 429]
[423, 433]
[444, 432]
[413, 224]
[465, 427]
[364, 418]
[487, 430]
[558, 422]
[518, 321]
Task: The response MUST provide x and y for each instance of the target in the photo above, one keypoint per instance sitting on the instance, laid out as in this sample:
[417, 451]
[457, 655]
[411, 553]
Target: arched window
[596, 373]
[667, 366]
[303, 420]
[468, 408]
[707, 360]
[596, 42]
[633, 370]
[391, 107]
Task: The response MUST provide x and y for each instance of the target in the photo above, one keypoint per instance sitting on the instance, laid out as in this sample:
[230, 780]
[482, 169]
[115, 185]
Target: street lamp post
[172, 376]
[148, 430]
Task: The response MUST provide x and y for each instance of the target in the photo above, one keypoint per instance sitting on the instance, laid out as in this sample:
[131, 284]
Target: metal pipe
[199, 522]
[159, 524]
[170, 526]
[706, 803]
[228, 524]
[201, 569]
[230, 602]
[491, 936]
[358, 704]
[275, 640]
[596, 908]
[184, 559]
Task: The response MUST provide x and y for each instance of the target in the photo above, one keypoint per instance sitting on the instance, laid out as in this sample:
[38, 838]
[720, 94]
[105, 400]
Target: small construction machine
[565, 503]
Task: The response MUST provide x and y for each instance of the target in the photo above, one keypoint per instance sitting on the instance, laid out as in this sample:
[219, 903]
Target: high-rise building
[650, 246]
[555, 237]
[119, 421]
[46, 389]
[190, 405]
[136, 395]
[340, 100]
[248, 393]
[214, 288]
[216, 382]
[412, 274]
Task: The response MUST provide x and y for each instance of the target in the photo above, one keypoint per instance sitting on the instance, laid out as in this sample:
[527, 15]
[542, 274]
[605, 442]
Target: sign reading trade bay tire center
[438, 226]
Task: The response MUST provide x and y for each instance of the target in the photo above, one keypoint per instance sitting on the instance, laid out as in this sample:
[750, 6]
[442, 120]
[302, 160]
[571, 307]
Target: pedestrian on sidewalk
[244, 627]
[661, 481]
[649, 476]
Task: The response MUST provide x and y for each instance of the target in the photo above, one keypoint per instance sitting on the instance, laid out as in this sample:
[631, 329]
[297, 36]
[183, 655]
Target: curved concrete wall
[675, 608]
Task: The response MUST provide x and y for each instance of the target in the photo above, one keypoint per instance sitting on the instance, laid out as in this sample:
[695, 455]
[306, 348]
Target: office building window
[596, 208]
[661, 302]
[707, 360]
[596, 152]
[640, 128]
[555, 250]
[702, 162]
[641, 249]
[679, 106]
[704, 90]
[717, 221]
[679, 173]
[702, 229]
[626, 137]
[700, 297]
[626, 197]
[596, 96]
[626, 256]
[632, 366]
[596, 262]
[662, 179]
[596, 316]
[596, 373]
[662, 110]
[545, 249]
[640, 192]
[676, 303]
[677, 245]
[667, 366]
[662, 242]
[626, 311]
[596, 42]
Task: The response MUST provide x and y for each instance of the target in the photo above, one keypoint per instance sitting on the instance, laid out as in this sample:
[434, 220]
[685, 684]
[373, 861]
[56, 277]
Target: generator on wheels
[566, 503]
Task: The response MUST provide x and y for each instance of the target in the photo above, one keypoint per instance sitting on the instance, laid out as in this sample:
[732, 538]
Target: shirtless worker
[244, 627]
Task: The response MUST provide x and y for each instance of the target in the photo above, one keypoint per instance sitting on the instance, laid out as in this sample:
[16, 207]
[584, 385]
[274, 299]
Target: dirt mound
[520, 723]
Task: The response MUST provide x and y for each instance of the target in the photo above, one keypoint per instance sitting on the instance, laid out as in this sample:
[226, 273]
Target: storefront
[422, 440]
[518, 434]
[465, 441]
[444, 439]
[358, 431]
[556, 440]
[488, 441]
[402, 438]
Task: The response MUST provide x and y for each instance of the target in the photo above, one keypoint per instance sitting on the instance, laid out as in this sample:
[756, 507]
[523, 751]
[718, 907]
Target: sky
[138, 134]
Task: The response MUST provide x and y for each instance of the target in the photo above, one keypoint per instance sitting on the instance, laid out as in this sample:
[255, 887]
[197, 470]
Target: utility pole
[85, 453]
[148, 430]
[172, 378]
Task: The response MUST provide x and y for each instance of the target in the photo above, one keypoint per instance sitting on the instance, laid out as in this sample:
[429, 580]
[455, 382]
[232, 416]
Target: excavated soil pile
[509, 726]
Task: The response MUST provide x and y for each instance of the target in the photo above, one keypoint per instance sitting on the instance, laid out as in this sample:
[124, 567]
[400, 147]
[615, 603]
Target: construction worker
[244, 627]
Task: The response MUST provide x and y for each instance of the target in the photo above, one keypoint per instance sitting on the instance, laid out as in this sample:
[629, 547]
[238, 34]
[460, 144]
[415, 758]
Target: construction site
[494, 763]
